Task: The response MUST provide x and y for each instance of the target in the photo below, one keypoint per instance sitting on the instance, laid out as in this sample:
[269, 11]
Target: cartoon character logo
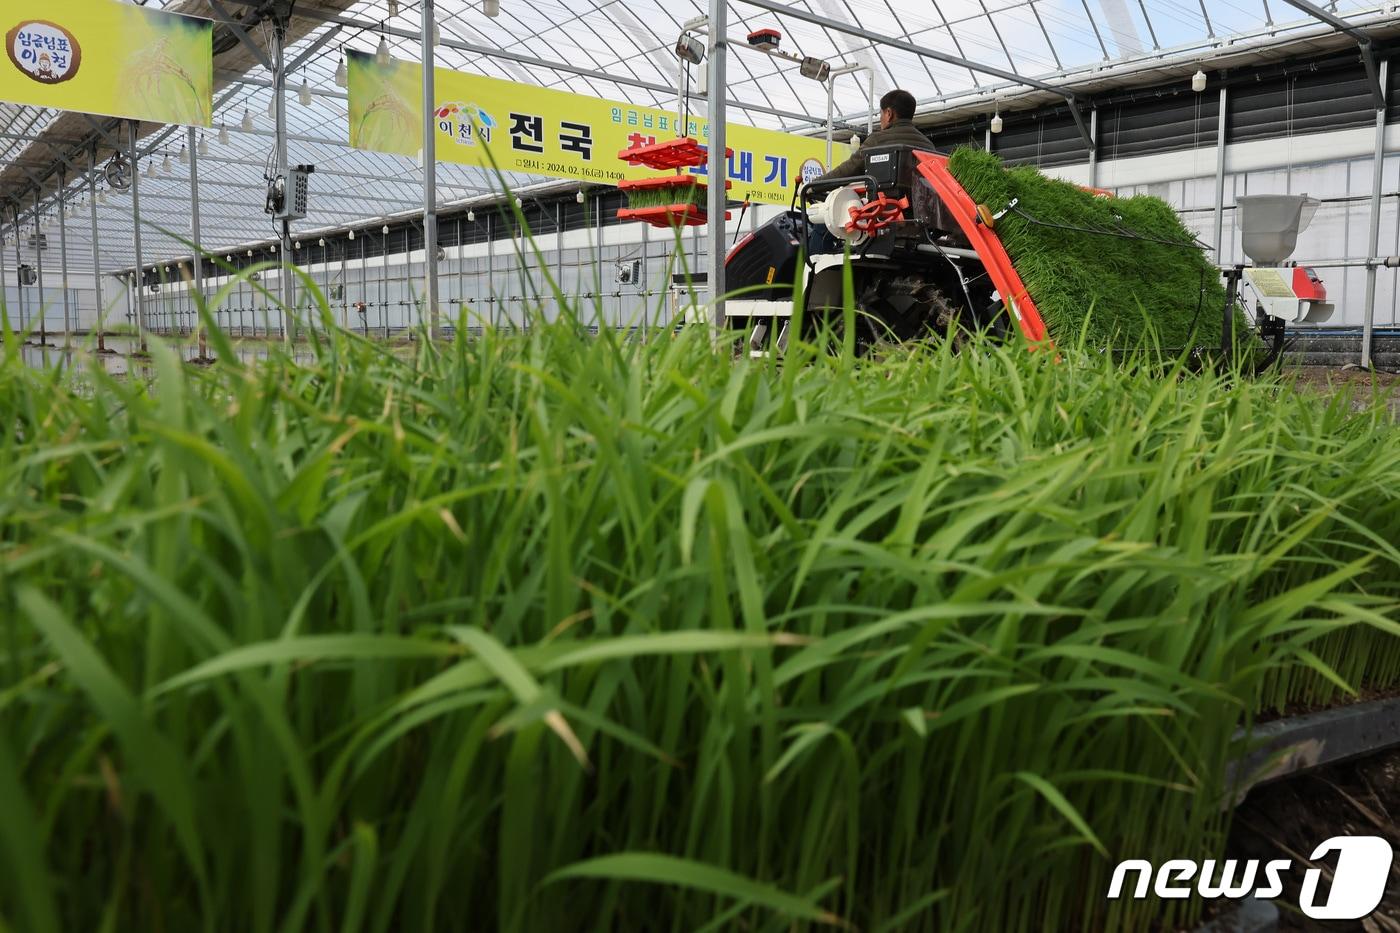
[811, 170]
[44, 51]
[465, 123]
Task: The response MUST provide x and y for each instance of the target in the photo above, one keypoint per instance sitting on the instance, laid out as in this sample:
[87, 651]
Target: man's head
[896, 105]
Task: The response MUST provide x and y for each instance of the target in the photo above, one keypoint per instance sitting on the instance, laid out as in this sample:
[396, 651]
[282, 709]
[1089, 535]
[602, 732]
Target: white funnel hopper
[1270, 224]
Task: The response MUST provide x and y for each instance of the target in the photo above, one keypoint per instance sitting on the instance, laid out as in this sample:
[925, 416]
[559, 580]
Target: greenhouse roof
[601, 48]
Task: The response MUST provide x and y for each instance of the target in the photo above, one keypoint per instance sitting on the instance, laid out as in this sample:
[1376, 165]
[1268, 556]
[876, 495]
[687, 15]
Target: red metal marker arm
[986, 243]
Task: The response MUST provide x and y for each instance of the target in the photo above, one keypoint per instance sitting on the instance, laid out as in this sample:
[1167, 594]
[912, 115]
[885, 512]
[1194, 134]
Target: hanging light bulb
[381, 54]
[184, 156]
[341, 79]
[471, 217]
[385, 231]
[1198, 81]
[352, 234]
[437, 35]
[165, 168]
[223, 135]
[322, 242]
[393, 7]
[996, 122]
[102, 196]
[150, 169]
[578, 197]
[304, 93]
[203, 145]
[491, 8]
[297, 245]
[247, 124]
[272, 107]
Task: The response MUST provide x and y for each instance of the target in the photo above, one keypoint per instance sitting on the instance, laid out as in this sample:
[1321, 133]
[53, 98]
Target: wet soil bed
[1290, 818]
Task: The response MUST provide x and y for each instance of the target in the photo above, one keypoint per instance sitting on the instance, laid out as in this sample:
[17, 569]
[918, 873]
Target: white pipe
[1377, 177]
[830, 107]
[430, 225]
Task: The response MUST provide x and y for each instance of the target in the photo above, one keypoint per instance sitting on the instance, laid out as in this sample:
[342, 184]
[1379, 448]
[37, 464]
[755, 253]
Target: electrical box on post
[629, 273]
[27, 275]
[287, 196]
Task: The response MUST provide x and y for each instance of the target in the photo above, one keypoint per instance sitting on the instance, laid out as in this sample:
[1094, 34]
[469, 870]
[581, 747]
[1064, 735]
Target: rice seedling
[543, 631]
[1104, 266]
[683, 190]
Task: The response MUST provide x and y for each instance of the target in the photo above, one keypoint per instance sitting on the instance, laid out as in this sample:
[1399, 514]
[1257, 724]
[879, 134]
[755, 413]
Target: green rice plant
[1099, 266]
[544, 631]
[689, 194]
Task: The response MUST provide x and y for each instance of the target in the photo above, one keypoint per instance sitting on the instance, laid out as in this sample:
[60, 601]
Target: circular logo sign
[44, 51]
[811, 171]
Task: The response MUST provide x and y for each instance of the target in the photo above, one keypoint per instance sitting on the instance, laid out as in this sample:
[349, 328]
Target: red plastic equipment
[986, 243]
[684, 152]
[878, 213]
[683, 213]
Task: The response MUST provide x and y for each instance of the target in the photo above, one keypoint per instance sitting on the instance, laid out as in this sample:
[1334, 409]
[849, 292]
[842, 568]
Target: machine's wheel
[898, 309]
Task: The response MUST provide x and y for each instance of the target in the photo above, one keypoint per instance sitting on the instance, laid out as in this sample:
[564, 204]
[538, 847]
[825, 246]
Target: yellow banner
[110, 58]
[537, 131]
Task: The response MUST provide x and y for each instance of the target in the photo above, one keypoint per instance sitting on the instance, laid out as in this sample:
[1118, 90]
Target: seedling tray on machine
[685, 210]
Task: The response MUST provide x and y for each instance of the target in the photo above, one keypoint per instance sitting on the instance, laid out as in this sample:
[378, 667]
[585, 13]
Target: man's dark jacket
[899, 133]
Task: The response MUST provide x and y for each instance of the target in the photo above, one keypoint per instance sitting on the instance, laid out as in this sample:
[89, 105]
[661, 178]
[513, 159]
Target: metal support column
[19, 261]
[140, 301]
[364, 284]
[461, 300]
[63, 257]
[1220, 180]
[1094, 152]
[1374, 243]
[718, 164]
[39, 243]
[279, 91]
[96, 251]
[645, 283]
[5, 276]
[430, 219]
[197, 252]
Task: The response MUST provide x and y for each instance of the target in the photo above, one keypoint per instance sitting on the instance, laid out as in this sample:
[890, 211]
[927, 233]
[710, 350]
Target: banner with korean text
[537, 131]
[109, 58]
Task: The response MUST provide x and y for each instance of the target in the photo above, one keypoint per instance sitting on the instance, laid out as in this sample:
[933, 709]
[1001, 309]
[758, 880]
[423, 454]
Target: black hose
[1200, 300]
[1121, 234]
